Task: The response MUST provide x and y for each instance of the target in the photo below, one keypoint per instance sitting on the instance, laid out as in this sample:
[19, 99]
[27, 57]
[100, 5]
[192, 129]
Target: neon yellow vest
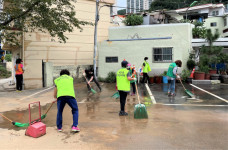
[65, 86]
[146, 68]
[123, 84]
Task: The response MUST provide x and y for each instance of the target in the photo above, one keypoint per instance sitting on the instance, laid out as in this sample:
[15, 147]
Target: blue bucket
[165, 79]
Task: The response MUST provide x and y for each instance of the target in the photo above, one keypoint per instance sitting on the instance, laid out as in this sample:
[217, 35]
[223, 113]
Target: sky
[122, 3]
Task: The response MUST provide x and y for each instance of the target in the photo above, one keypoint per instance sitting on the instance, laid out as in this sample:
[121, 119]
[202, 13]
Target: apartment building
[135, 6]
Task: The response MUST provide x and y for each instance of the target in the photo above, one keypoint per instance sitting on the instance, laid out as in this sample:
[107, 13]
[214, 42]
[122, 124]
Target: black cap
[124, 64]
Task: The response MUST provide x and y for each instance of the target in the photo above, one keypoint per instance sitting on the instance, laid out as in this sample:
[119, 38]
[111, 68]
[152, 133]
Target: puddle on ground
[91, 107]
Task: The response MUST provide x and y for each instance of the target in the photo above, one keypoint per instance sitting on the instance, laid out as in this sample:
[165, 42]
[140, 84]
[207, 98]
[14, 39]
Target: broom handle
[182, 84]
[6, 118]
[50, 107]
[87, 82]
[137, 92]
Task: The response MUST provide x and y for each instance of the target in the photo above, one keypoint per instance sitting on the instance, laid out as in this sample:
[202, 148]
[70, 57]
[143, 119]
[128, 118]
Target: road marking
[82, 101]
[36, 93]
[150, 94]
[210, 93]
[195, 105]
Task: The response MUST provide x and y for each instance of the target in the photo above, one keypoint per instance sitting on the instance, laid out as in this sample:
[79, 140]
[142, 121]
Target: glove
[178, 77]
[135, 79]
[84, 74]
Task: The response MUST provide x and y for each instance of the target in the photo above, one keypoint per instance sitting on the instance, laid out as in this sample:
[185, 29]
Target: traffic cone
[192, 74]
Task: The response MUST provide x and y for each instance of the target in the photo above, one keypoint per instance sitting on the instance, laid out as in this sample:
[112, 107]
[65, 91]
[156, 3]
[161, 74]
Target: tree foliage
[121, 12]
[49, 16]
[133, 20]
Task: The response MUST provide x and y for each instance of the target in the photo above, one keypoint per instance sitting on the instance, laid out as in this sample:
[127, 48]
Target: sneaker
[60, 130]
[123, 113]
[75, 129]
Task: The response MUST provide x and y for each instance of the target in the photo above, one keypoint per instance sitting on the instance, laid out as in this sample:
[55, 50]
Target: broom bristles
[140, 111]
[92, 90]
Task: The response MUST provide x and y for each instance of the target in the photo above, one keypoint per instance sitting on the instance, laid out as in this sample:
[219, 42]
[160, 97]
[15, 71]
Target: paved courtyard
[186, 124]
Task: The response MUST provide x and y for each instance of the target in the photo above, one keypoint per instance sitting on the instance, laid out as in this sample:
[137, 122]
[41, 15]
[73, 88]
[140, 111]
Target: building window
[215, 13]
[163, 54]
[213, 24]
[111, 59]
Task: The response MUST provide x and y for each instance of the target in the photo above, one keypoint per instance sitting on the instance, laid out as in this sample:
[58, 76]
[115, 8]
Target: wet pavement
[202, 98]
[168, 127]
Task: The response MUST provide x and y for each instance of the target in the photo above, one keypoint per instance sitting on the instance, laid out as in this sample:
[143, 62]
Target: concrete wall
[52, 72]
[135, 51]
[78, 50]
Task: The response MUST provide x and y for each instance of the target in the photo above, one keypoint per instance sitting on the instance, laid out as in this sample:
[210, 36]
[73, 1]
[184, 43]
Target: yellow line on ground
[150, 94]
[209, 93]
[36, 93]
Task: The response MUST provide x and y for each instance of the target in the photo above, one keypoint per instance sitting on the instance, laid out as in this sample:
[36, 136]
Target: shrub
[4, 73]
[8, 57]
[111, 78]
[185, 74]
[133, 20]
[191, 64]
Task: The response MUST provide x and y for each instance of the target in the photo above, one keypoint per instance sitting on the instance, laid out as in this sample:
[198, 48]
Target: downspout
[23, 48]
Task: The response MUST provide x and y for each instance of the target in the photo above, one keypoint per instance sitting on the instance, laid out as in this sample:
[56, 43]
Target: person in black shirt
[89, 74]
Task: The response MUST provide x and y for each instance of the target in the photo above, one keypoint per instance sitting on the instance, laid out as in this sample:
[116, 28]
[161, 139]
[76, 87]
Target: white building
[214, 16]
[134, 6]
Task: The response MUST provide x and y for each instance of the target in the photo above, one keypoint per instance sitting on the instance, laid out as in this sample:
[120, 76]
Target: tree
[133, 20]
[121, 12]
[49, 16]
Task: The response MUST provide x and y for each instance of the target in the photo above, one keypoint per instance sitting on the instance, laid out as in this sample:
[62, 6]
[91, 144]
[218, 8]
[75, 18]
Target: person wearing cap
[64, 92]
[133, 75]
[19, 70]
[146, 69]
[123, 78]
[172, 75]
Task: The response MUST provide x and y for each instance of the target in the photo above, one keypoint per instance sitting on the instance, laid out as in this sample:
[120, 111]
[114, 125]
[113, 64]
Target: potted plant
[164, 77]
[151, 78]
[158, 79]
[185, 76]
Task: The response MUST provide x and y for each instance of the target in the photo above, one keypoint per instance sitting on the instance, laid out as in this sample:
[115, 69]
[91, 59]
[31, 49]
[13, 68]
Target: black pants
[123, 96]
[145, 77]
[19, 80]
[98, 85]
[133, 87]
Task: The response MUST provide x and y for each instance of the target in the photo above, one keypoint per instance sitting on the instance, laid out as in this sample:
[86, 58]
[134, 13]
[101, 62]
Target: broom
[187, 91]
[116, 95]
[140, 111]
[18, 124]
[92, 90]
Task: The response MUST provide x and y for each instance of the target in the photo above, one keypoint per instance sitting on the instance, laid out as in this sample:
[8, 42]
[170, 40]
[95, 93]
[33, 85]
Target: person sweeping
[123, 79]
[89, 75]
[172, 75]
[64, 92]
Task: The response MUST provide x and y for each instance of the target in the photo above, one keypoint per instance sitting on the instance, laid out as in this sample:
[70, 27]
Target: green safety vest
[65, 86]
[146, 68]
[170, 70]
[123, 84]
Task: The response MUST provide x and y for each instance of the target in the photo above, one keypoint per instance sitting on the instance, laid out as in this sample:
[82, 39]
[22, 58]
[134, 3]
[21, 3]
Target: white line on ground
[82, 101]
[36, 93]
[150, 94]
[195, 105]
[210, 93]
